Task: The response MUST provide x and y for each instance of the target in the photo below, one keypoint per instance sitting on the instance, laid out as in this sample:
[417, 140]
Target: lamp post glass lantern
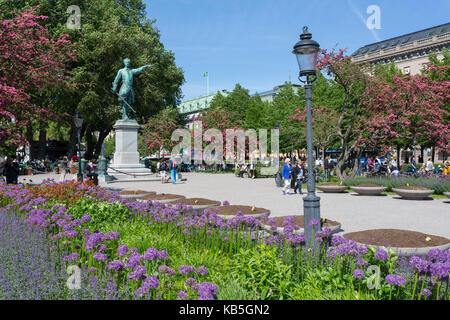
[306, 52]
[78, 121]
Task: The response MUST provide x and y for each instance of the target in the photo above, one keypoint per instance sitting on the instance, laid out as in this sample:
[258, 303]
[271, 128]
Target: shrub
[101, 212]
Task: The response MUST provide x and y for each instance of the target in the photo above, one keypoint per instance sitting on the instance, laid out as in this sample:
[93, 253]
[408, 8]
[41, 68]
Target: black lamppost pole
[78, 120]
[306, 51]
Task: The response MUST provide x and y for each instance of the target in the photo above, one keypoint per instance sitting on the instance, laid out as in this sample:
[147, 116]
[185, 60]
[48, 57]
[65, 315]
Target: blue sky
[250, 41]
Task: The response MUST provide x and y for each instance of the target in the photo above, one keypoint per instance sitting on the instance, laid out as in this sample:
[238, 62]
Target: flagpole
[207, 84]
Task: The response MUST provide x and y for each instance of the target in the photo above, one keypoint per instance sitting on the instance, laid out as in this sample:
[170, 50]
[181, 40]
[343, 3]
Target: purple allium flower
[337, 240]
[100, 256]
[184, 269]
[92, 270]
[141, 291]
[102, 247]
[163, 255]
[181, 295]
[86, 218]
[191, 283]
[138, 273]
[206, 291]
[72, 257]
[361, 262]
[382, 255]
[114, 235]
[440, 270]
[151, 282]
[395, 280]
[134, 250]
[288, 221]
[419, 264]
[425, 292]
[202, 271]
[313, 222]
[134, 260]
[436, 254]
[116, 265]
[358, 274]
[226, 203]
[165, 270]
[122, 250]
[151, 254]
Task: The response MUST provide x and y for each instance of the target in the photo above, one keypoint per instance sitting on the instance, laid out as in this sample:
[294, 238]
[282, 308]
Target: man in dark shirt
[297, 174]
[11, 171]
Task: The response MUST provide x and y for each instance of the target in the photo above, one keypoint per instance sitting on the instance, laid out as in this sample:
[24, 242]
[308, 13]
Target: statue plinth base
[126, 165]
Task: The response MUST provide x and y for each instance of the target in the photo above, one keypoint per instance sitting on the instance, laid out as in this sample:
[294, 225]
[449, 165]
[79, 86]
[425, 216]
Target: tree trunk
[432, 154]
[72, 142]
[89, 144]
[398, 156]
[42, 147]
[98, 146]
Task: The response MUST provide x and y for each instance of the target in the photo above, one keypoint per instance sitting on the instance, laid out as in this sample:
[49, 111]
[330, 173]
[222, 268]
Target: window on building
[407, 70]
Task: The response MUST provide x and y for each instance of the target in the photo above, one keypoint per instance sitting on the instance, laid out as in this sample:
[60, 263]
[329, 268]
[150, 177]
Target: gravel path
[355, 212]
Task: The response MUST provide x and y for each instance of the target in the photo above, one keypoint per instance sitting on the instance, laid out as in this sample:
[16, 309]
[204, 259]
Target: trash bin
[278, 180]
[93, 177]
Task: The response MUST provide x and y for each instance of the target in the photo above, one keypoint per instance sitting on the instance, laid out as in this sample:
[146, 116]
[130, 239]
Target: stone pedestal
[126, 165]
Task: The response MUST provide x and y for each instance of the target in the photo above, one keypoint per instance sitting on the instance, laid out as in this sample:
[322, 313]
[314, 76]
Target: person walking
[163, 171]
[11, 171]
[429, 167]
[287, 170]
[62, 164]
[298, 177]
[328, 165]
[173, 166]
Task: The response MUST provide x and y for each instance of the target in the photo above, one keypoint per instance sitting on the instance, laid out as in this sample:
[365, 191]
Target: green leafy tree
[111, 30]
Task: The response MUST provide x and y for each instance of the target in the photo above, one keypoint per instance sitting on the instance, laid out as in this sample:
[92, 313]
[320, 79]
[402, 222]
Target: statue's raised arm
[139, 70]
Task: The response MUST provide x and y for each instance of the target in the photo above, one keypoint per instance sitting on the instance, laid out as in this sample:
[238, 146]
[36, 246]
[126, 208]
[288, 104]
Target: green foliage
[101, 212]
[261, 269]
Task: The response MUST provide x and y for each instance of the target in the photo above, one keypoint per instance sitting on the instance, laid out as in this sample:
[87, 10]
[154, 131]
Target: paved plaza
[355, 212]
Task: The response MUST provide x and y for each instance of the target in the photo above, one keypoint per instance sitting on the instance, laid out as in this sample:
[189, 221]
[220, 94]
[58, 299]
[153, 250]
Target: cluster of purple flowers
[206, 291]
[71, 257]
[138, 273]
[166, 270]
[184, 269]
[395, 280]
[116, 265]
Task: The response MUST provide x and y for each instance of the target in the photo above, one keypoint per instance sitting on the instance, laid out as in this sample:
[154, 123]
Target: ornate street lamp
[78, 121]
[307, 51]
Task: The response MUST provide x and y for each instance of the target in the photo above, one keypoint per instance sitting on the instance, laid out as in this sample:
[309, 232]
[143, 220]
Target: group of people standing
[163, 168]
[293, 176]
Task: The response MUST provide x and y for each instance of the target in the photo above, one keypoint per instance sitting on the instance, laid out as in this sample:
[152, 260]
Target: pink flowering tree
[157, 132]
[30, 64]
[408, 109]
[353, 81]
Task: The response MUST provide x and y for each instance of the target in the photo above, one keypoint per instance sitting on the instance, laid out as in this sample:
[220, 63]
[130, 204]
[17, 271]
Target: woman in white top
[430, 166]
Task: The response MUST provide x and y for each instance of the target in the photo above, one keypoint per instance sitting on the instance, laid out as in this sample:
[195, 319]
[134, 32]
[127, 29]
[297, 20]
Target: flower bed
[413, 192]
[155, 251]
[163, 197]
[438, 183]
[135, 193]
[404, 242]
[297, 222]
[331, 187]
[229, 211]
[368, 189]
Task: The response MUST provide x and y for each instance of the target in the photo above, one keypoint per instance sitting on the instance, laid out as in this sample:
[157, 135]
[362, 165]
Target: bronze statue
[126, 92]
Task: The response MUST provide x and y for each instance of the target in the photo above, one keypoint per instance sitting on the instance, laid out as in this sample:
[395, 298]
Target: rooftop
[410, 37]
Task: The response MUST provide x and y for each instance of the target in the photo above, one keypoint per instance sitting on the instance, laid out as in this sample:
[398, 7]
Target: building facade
[410, 54]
